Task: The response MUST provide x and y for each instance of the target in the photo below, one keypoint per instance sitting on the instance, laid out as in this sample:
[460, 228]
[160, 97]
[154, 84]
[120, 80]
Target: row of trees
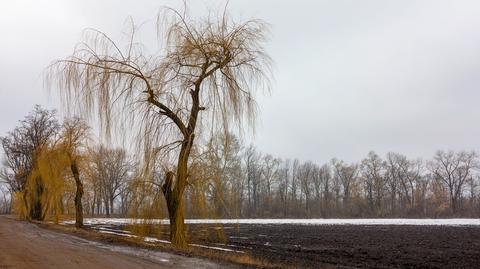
[227, 179]
[38, 156]
[47, 165]
[239, 181]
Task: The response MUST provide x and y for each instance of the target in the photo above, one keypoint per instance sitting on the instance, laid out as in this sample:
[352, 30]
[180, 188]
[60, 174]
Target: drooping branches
[23, 148]
[74, 138]
[212, 64]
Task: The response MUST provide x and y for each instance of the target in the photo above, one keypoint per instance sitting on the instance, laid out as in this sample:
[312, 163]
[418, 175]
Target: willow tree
[22, 149]
[50, 167]
[75, 135]
[209, 66]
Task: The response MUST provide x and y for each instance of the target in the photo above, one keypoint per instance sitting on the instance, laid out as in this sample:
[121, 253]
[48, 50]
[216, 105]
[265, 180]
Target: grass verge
[243, 260]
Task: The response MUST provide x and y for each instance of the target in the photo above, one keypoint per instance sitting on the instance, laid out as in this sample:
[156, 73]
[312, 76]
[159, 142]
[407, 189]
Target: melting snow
[115, 233]
[122, 221]
[216, 248]
[448, 222]
[155, 240]
[149, 239]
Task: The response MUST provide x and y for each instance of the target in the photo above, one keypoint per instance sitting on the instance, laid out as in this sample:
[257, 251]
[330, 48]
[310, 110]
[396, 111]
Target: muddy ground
[24, 245]
[378, 246]
[365, 246]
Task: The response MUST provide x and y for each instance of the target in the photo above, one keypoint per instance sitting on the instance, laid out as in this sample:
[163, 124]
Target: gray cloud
[350, 76]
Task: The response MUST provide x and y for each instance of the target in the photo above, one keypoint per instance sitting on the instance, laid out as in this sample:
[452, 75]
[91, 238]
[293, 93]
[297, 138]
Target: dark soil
[379, 246]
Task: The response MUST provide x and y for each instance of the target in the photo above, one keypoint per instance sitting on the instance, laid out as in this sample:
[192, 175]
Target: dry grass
[243, 259]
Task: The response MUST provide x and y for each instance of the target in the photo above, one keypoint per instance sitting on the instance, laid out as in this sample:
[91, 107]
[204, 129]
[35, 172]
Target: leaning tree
[209, 66]
[74, 137]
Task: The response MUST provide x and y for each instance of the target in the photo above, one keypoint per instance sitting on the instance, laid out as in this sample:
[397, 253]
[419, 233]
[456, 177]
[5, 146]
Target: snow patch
[216, 248]
[239, 237]
[155, 240]
[116, 233]
[444, 222]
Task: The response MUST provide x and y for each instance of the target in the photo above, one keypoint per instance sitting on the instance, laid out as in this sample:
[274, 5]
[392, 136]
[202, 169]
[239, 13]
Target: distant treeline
[240, 181]
[227, 179]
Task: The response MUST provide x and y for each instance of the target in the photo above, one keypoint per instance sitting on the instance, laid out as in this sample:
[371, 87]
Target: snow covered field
[445, 222]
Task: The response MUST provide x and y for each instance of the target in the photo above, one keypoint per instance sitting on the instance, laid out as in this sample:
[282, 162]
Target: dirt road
[24, 245]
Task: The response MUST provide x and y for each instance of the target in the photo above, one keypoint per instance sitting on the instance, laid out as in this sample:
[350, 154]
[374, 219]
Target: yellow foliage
[49, 176]
[18, 205]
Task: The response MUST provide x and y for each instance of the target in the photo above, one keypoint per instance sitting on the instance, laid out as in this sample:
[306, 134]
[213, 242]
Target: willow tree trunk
[173, 192]
[26, 208]
[36, 205]
[176, 213]
[78, 195]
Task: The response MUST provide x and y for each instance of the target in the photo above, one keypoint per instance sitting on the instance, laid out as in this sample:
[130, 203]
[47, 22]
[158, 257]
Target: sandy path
[24, 245]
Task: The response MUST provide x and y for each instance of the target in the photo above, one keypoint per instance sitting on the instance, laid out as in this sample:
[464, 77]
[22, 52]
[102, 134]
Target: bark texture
[78, 195]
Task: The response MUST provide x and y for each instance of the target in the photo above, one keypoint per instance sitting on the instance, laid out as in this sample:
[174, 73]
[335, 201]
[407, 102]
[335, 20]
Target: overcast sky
[350, 76]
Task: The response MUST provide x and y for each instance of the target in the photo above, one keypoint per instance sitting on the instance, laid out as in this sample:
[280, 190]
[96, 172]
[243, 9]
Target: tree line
[41, 168]
[228, 179]
[240, 181]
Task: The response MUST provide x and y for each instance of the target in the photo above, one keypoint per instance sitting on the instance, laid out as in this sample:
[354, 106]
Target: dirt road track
[24, 245]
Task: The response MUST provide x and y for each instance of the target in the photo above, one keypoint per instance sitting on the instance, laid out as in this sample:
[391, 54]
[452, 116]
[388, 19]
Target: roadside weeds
[245, 260]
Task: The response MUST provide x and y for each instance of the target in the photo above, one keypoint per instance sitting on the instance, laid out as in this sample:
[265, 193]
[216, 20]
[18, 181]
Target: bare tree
[372, 169]
[270, 172]
[125, 195]
[222, 166]
[74, 136]
[284, 178]
[325, 178]
[110, 170]
[454, 170]
[393, 176]
[294, 186]
[347, 175]
[22, 148]
[306, 174]
[253, 178]
[212, 64]
[473, 184]
[412, 180]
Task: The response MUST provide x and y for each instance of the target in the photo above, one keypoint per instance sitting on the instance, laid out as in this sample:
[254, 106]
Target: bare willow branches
[23, 148]
[213, 64]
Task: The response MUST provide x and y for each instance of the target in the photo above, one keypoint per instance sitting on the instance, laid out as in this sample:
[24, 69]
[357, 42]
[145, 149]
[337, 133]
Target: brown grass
[244, 259]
